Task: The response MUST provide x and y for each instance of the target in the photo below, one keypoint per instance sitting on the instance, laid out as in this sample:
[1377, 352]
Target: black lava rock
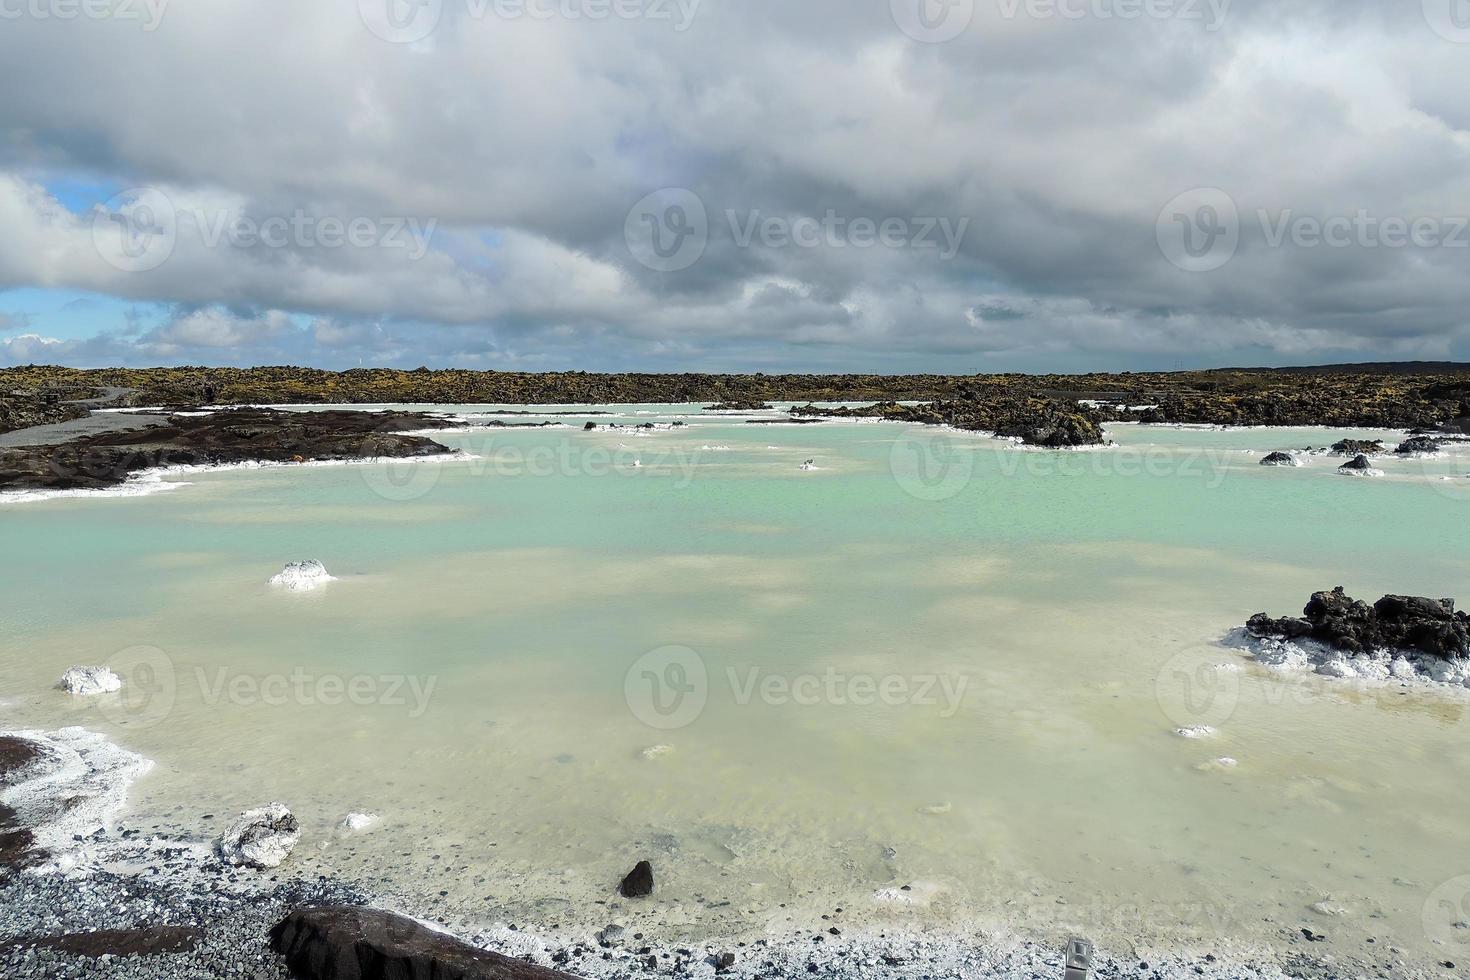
[639, 881]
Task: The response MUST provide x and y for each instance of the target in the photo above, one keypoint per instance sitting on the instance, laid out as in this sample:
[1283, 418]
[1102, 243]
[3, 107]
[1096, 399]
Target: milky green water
[935, 660]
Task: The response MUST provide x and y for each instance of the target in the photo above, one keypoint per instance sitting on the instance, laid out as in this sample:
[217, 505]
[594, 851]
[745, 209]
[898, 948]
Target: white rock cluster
[302, 576]
[90, 681]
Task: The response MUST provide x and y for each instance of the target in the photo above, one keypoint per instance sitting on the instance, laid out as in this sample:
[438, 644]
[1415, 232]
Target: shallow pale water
[935, 660]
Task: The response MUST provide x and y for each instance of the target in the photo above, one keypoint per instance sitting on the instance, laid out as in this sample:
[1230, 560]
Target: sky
[950, 186]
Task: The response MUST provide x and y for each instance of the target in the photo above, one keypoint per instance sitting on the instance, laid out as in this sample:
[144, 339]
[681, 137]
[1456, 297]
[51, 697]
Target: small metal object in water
[1079, 959]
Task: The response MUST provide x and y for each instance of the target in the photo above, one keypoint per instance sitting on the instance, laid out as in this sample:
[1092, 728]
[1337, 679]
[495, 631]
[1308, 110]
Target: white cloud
[518, 146]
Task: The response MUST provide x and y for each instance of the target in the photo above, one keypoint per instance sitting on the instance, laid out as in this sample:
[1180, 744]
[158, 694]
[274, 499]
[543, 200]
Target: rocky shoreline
[1385, 396]
[243, 435]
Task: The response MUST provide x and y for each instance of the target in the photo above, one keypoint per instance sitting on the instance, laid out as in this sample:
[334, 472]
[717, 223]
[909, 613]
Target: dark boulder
[346, 943]
[1418, 444]
[1357, 447]
[1357, 464]
[1279, 459]
[1288, 627]
[639, 881]
[1393, 623]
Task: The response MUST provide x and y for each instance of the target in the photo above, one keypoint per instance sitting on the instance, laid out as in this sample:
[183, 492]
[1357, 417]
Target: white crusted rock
[302, 576]
[261, 838]
[90, 681]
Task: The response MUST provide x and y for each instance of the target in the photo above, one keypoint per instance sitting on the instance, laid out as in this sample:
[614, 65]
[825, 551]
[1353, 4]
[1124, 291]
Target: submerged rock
[261, 838]
[360, 821]
[638, 882]
[90, 681]
[345, 943]
[1359, 466]
[302, 576]
[1280, 459]
[1395, 622]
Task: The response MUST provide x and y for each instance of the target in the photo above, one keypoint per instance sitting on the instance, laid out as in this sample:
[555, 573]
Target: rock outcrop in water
[346, 943]
[1034, 421]
[1357, 447]
[89, 681]
[240, 435]
[1393, 623]
[1280, 459]
[302, 576]
[1418, 445]
[740, 405]
[1359, 466]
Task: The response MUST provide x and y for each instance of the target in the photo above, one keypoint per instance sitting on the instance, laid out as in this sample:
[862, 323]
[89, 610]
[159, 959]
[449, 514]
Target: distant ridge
[1367, 367]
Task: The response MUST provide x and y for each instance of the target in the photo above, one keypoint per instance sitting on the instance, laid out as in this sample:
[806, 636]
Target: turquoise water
[934, 660]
